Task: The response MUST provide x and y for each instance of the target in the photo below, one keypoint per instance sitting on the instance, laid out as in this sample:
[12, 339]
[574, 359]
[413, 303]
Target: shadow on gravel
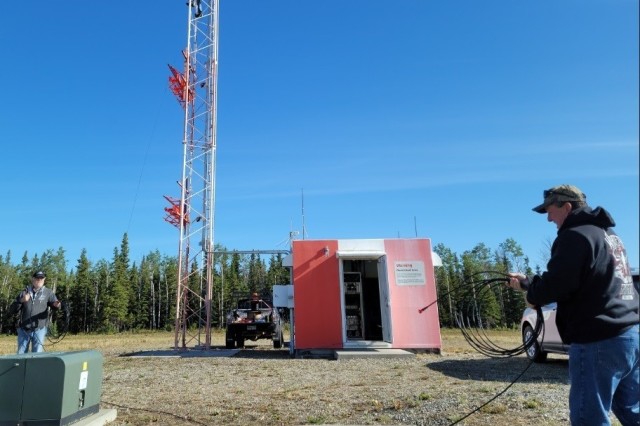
[190, 353]
[554, 371]
[249, 351]
[255, 353]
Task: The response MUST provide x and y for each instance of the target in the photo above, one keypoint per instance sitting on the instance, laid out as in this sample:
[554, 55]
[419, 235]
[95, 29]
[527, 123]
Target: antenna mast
[193, 214]
[304, 230]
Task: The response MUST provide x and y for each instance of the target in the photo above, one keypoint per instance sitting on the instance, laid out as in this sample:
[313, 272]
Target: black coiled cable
[59, 320]
[471, 315]
[473, 324]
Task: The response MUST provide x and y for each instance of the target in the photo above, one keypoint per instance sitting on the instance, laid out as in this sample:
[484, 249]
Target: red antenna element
[174, 216]
[178, 86]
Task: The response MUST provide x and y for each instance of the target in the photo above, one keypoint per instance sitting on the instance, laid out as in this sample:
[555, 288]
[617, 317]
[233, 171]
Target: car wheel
[240, 342]
[534, 352]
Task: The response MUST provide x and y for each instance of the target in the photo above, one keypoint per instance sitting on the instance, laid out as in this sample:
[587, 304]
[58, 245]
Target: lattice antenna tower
[193, 213]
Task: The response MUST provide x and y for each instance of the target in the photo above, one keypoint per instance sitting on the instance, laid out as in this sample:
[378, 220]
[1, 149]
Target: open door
[385, 299]
[365, 301]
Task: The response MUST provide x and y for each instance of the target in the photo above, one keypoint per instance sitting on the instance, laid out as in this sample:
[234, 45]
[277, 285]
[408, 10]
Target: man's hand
[55, 305]
[516, 281]
[520, 282]
[25, 297]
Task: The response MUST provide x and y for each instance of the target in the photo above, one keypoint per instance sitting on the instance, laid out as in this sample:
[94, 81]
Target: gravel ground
[260, 384]
[266, 386]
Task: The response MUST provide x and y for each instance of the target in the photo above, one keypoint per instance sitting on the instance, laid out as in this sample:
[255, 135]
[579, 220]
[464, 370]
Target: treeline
[116, 295]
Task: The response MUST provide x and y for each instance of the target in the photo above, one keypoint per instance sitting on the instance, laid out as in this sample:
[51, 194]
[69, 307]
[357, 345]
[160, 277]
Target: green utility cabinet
[49, 388]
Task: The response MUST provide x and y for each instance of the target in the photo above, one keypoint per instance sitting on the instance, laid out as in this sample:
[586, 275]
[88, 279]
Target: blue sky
[445, 119]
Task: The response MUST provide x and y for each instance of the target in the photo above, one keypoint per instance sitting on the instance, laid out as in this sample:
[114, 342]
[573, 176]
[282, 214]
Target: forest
[116, 295]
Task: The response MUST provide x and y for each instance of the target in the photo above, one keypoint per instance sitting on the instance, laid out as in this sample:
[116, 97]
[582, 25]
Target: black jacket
[590, 278]
[34, 313]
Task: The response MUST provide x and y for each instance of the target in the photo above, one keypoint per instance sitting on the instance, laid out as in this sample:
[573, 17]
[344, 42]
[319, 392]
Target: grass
[109, 344]
[148, 340]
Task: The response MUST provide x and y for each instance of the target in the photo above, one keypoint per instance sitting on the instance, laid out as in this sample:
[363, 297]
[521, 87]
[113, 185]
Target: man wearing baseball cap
[33, 303]
[589, 277]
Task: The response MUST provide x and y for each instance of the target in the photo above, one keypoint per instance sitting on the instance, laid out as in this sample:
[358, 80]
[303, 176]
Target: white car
[550, 341]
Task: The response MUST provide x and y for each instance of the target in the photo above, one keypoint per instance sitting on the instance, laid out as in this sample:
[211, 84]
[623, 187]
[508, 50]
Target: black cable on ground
[496, 396]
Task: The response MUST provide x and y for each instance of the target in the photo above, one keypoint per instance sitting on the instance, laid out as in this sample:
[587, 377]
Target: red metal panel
[316, 295]
[412, 329]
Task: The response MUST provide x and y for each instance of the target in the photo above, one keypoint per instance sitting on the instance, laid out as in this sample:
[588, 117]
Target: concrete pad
[343, 354]
[100, 418]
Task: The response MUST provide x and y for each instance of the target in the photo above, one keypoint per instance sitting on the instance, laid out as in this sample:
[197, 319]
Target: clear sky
[439, 119]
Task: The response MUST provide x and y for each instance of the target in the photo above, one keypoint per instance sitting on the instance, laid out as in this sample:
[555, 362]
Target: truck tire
[239, 342]
[230, 341]
[277, 340]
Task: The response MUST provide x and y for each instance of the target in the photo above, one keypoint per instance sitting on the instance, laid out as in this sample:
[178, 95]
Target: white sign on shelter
[410, 273]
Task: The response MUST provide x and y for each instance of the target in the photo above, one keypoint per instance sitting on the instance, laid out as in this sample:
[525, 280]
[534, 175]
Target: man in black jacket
[33, 303]
[589, 276]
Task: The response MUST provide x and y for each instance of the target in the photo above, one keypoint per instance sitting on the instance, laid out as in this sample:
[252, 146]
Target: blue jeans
[35, 337]
[605, 376]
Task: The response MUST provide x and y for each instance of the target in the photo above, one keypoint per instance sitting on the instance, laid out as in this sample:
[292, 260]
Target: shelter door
[362, 304]
[385, 300]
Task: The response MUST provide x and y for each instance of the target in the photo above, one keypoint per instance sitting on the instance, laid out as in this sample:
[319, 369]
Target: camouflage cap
[557, 194]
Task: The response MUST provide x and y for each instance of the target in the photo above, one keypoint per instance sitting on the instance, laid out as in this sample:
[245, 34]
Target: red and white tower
[193, 213]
